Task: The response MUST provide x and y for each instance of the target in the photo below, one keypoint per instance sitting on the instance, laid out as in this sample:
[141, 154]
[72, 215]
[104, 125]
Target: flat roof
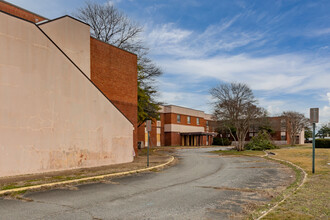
[198, 133]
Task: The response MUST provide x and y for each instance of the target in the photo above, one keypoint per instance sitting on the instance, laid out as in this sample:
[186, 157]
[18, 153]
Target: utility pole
[314, 118]
[148, 125]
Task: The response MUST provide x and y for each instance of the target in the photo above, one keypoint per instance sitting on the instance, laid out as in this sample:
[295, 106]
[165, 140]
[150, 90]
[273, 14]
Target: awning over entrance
[199, 133]
[197, 138]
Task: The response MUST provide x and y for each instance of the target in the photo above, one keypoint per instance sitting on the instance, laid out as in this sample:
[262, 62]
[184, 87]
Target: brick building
[178, 126]
[280, 133]
[67, 100]
[111, 69]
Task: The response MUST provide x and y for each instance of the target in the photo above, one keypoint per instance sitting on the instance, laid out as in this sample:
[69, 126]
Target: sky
[280, 48]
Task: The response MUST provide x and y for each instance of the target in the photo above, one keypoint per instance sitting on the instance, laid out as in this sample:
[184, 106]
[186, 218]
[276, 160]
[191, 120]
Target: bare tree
[295, 123]
[110, 25]
[235, 106]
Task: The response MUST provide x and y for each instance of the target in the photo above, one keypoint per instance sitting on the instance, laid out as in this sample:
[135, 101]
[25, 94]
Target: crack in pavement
[166, 187]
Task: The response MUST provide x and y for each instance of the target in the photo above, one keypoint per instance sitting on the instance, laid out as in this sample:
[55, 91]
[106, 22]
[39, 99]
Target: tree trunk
[292, 139]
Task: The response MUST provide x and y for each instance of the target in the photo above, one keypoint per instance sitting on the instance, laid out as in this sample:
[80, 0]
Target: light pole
[313, 170]
[148, 125]
[314, 118]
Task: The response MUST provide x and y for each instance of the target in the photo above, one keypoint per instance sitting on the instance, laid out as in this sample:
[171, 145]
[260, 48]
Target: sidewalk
[85, 174]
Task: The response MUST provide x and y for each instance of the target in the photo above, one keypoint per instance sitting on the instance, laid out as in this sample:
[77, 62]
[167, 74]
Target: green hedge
[221, 141]
[322, 143]
[260, 142]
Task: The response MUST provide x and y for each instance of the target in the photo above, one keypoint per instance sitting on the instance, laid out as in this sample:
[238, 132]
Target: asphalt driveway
[200, 186]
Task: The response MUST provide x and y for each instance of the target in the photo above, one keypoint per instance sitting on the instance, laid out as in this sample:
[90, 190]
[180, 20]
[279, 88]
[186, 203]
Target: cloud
[318, 32]
[188, 99]
[325, 114]
[325, 111]
[170, 40]
[167, 34]
[273, 107]
[112, 2]
[288, 73]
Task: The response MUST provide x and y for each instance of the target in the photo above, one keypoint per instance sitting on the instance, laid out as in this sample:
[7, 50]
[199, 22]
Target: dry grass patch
[238, 153]
[302, 156]
[311, 201]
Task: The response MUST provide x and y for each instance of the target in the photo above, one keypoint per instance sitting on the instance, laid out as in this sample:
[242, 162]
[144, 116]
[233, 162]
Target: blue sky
[281, 49]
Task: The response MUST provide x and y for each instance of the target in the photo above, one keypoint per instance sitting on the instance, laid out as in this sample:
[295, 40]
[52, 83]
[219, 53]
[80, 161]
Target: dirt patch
[244, 190]
[251, 161]
[311, 200]
[260, 168]
[240, 204]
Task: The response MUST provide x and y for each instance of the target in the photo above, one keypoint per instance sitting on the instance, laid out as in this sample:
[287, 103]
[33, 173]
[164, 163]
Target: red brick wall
[140, 133]
[114, 72]
[171, 118]
[162, 133]
[172, 139]
[153, 133]
[19, 12]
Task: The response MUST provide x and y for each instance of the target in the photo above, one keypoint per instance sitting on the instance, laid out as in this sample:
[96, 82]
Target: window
[178, 118]
[188, 119]
[283, 135]
[283, 125]
[197, 121]
[207, 122]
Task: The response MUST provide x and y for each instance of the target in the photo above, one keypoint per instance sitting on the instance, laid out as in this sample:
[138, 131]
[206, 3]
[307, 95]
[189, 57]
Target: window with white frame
[188, 119]
[178, 118]
[197, 121]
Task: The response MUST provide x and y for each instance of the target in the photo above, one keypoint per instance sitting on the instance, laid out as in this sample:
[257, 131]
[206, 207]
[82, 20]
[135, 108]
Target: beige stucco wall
[208, 117]
[182, 128]
[183, 111]
[73, 37]
[51, 116]
[302, 137]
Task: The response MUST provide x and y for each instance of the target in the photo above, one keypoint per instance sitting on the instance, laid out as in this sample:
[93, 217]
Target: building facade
[111, 69]
[278, 126]
[63, 95]
[178, 126]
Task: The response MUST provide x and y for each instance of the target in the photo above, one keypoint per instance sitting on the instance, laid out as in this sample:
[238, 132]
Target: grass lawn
[312, 200]
[239, 153]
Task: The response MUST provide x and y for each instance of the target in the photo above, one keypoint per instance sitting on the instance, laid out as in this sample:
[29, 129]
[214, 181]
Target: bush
[322, 143]
[221, 141]
[260, 142]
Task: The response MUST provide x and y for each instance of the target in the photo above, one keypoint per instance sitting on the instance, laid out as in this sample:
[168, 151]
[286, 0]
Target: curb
[287, 196]
[2, 192]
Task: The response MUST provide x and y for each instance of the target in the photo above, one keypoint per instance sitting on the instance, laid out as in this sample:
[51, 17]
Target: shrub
[260, 142]
[322, 143]
[221, 141]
